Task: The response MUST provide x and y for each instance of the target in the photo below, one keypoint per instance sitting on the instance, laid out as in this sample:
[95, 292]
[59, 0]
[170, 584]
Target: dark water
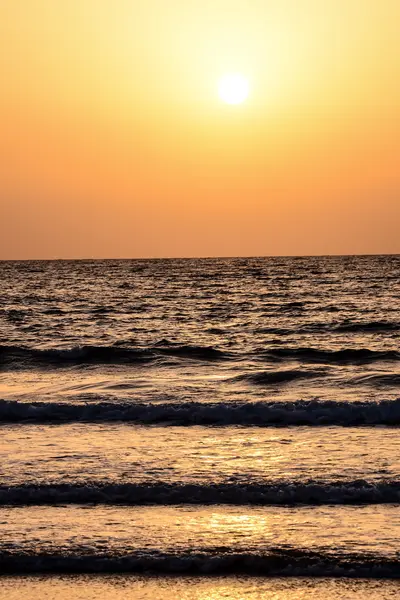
[232, 415]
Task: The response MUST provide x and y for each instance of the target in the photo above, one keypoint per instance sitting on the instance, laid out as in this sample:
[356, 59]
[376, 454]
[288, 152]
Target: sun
[233, 88]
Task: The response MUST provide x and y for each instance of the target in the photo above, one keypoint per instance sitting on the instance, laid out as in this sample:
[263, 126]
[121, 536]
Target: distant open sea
[229, 417]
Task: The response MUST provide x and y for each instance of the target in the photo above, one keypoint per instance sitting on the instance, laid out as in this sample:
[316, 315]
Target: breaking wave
[279, 561]
[261, 414]
[282, 493]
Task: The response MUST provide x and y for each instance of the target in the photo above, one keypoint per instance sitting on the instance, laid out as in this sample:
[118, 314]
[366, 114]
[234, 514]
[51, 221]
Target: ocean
[200, 428]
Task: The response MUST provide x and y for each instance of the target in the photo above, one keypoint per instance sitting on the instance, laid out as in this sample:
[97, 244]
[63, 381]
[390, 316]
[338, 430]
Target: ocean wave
[350, 355]
[371, 326]
[378, 380]
[196, 352]
[292, 306]
[279, 331]
[282, 562]
[284, 493]
[119, 353]
[329, 328]
[261, 414]
[273, 377]
[116, 354]
[81, 354]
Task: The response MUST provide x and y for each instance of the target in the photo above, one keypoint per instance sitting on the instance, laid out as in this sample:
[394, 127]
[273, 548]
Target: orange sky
[114, 142]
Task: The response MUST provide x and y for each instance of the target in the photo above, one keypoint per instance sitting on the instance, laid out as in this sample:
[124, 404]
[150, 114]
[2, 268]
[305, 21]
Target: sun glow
[233, 88]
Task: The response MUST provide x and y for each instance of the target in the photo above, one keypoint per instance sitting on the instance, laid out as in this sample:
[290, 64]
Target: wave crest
[261, 414]
[349, 355]
[288, 493]
[23, 356]
[283, 562]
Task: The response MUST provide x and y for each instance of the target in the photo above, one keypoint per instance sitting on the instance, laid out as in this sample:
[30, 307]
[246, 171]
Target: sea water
[191, 427]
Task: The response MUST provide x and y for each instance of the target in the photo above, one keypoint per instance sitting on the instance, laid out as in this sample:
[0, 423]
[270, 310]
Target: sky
[115, 144]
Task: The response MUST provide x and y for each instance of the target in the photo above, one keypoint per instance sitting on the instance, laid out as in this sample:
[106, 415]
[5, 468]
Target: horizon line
[205, 257]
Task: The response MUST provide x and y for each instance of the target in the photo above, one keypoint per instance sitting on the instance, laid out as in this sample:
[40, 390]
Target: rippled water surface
[205, 330]
[220, 416]
[190, 530]
[197, 455]
[192, 588]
